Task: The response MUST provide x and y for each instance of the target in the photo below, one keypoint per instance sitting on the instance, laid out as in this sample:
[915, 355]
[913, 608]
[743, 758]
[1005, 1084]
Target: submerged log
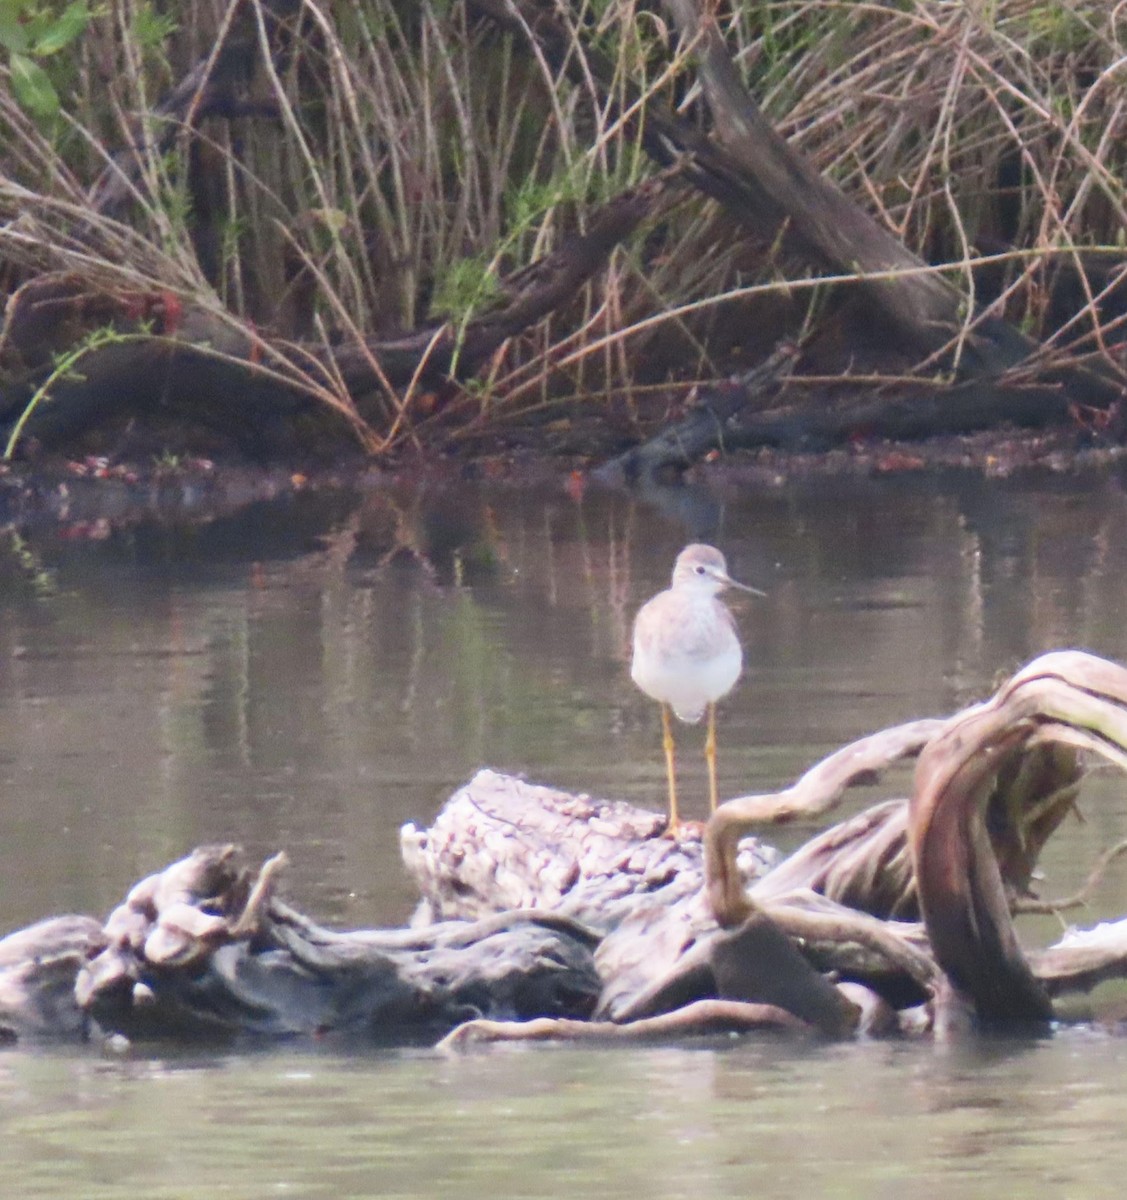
[750, 411]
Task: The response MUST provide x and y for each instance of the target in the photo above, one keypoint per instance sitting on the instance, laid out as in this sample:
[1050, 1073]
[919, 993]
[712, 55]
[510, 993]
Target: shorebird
[687, 653]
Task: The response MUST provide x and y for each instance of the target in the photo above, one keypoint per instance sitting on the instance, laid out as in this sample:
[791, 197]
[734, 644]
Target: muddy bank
[92, 494]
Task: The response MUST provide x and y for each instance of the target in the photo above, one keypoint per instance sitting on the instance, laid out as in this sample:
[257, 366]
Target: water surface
[313, 673]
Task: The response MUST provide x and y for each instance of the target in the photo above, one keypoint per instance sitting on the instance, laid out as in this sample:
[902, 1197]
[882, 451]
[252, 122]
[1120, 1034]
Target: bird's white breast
[686, 652]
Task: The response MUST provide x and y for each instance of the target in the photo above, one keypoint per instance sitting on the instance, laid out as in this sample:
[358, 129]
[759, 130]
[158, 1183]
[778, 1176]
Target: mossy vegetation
[295, 191]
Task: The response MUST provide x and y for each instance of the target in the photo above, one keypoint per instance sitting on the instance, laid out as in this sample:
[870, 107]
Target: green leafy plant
[28, 564]
[467, 286]
[64, 368]
[31, 33]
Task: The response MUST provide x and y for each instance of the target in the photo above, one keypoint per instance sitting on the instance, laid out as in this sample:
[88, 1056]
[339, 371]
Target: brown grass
[399, 158]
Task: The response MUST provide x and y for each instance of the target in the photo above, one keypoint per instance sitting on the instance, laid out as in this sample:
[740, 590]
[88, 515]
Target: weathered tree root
[834, 896]
[991, 787]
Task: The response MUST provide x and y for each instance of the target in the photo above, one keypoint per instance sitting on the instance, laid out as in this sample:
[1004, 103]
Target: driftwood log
[206, 948]
[550, 915]
[911, 899]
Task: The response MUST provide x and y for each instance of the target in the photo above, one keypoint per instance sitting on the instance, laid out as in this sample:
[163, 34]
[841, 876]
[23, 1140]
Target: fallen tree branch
[707, 425]
[818, 791]
[752, 171]
[694, 1020]
[527, 296]
[926, 309]
[204, 354]
[961, 409]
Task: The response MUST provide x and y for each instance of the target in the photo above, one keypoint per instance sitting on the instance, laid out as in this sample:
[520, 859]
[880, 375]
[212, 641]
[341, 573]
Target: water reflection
[314, 672]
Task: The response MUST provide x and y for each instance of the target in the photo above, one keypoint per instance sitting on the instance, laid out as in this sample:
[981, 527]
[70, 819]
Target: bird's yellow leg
[710, 754]
[670, 770]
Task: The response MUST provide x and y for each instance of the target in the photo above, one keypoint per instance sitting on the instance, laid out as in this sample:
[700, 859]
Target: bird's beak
[743, 587]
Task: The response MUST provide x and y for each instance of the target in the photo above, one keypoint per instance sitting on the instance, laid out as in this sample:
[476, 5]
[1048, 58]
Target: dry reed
[388, 163]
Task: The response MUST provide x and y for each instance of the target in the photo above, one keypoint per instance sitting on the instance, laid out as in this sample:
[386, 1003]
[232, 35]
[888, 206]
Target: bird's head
[705, 568]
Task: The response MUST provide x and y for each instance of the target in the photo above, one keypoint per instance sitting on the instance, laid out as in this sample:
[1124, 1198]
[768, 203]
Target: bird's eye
[700, 570]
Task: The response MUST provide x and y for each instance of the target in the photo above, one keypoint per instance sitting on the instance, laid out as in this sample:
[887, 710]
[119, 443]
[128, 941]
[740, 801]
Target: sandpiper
[687, 653]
